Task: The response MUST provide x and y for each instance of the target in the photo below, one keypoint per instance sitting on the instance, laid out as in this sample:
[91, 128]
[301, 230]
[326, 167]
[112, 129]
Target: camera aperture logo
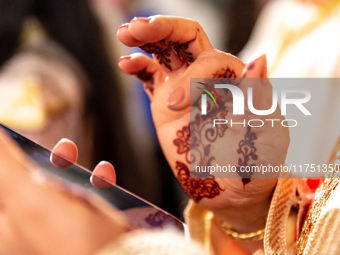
[239, 105]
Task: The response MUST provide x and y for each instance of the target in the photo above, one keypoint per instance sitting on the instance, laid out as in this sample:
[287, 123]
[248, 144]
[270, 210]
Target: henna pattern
[162, 54]
[147, 78]
[225, 73]
[248, 150]
[183, 140]
[197, 185]
[199, 134]
[158, 219]
[195, 142]
[197, 188]
[181, 50]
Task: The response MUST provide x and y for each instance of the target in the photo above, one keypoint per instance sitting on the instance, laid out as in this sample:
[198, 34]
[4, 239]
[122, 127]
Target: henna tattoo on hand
[183, 53]
[197, 188]
[225, 73]
[180, 49]
[198, 137]
[248, 151]
[158, 219]
[183, 140]
[147, 78]
[202, 185]
[162, 54]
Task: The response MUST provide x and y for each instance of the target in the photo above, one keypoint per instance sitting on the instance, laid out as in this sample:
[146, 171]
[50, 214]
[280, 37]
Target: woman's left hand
[65, 153]
[41, 216]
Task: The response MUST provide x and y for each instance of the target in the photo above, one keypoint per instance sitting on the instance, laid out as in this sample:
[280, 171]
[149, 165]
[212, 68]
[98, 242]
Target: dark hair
[71, 24]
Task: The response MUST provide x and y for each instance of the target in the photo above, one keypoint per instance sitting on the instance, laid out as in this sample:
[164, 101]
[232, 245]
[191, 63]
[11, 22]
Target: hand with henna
[181, 50]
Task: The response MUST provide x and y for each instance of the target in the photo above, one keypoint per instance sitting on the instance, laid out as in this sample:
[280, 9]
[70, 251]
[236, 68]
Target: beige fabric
[148, 242]
[324, 239]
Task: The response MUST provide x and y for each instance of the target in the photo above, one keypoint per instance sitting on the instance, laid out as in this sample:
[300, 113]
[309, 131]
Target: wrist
[248, 214]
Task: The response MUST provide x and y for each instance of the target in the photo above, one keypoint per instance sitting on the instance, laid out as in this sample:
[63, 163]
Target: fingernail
[175, 97]
[248, 67]
[106, 171]
[103, 176]
[123, 25]
[259, 63]
[143, 19]
[59, 161]
[123, 58]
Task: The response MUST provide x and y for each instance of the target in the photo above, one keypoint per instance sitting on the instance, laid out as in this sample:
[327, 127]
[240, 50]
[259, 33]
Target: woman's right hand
[181, 50]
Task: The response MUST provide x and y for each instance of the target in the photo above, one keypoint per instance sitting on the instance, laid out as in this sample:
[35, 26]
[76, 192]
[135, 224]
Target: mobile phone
[140, 213]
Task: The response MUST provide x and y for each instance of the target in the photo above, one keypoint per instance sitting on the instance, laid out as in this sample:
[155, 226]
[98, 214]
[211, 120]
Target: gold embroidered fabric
[199, 224]
[275, 239]
[322, 210]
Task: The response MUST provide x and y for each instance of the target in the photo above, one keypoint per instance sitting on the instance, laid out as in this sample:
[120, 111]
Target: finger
[255, 77]
[164, 54]
[103, 175]
[10, 147]
[172, 40]
[144, 69]
[210, 64]
[64, 154]
[125, 37]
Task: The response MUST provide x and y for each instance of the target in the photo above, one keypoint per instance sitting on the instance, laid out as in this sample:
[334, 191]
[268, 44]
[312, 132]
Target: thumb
[64, 154]
[103, 175]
